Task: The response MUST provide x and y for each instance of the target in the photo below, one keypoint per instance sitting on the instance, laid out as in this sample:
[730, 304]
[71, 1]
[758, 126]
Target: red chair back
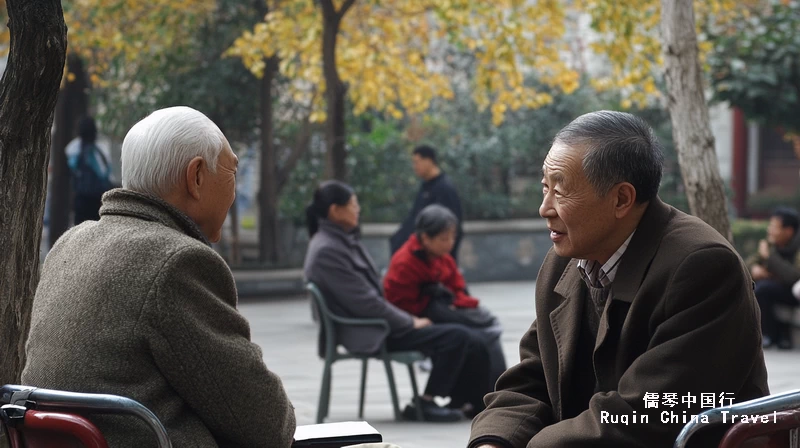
[781, 431]
[54, 409]
[38, 429]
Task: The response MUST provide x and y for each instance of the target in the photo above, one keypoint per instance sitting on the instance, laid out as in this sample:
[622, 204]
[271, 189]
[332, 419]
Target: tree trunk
[28, 94]
[72, 104]
[335, 91]
[688, 110]
[268, 234]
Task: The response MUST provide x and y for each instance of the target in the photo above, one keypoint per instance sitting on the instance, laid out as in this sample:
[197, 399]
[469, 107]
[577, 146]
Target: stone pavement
[284, 330]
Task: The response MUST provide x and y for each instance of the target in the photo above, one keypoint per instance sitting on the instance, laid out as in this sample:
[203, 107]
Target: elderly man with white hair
[138, 304]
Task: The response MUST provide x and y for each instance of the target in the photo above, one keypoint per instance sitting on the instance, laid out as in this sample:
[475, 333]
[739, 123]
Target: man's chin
[562, 250]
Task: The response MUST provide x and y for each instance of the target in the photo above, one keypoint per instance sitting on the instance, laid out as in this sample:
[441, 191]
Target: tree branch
[347, 4]
[328, 10]
[298, 150]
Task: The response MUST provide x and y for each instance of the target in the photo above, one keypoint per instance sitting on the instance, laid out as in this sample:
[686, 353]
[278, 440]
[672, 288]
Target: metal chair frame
[784, 429]
[779, 402]
[328, 321]
[62, 401]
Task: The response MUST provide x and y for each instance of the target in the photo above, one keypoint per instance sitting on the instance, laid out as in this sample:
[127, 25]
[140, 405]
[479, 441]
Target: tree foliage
[756, 64]
[629, 38]
[117, 38]
[392, 53]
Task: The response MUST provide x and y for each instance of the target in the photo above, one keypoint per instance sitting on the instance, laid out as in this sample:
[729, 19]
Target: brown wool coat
[682, 319]
[137, 304]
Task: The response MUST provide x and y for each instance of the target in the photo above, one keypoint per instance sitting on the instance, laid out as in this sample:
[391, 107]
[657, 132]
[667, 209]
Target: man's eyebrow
[554, 176]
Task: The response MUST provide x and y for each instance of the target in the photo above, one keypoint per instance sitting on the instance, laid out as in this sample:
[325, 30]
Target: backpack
[86, 180]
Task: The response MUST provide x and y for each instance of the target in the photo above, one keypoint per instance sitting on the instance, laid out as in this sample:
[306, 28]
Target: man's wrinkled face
[777, 234]
[219, 194]
[579, 220]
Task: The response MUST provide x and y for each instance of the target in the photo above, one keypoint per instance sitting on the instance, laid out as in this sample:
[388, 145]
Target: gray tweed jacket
[345, 273]
[138, 304]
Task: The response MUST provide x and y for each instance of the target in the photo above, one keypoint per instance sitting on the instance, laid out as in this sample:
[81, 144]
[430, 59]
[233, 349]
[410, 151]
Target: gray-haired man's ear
[195, 177]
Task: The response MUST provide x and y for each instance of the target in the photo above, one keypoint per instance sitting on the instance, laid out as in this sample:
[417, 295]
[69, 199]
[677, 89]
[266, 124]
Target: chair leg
[363, 388]
[392, 388]
[415, 391]
[325, 392]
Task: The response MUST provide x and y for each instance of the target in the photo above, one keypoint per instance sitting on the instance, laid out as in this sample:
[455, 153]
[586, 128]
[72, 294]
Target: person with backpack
[90, 169]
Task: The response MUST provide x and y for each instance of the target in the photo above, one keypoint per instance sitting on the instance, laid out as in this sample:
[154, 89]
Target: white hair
[157, 149]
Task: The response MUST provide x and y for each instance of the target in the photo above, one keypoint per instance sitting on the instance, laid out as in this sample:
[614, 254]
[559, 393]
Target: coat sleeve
[202, 346]
[785, 271]
[401, 285]
[705, 339]
[455, 283]
[354, 293]
[520, 407]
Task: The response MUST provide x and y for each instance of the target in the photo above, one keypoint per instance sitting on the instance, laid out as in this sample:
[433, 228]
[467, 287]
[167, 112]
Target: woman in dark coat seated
[424, 280]
[342, 268]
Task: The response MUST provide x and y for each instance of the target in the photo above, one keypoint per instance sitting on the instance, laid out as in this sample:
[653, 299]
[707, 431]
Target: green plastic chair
[327, 321]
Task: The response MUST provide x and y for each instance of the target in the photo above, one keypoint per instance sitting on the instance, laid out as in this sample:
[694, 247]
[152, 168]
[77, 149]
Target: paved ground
[285, 331]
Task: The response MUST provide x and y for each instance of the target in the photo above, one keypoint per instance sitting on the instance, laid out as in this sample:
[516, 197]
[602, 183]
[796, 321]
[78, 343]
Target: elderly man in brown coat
[643, 312]
[138, 304]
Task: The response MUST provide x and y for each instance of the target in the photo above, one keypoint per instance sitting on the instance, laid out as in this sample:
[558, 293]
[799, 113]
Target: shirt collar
[602, 276]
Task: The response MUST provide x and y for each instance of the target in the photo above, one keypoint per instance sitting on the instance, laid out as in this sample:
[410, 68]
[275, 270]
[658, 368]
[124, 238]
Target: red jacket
[410, 269]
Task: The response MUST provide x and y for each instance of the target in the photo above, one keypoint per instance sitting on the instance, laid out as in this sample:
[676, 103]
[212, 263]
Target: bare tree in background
[688, 110]
[28, 94]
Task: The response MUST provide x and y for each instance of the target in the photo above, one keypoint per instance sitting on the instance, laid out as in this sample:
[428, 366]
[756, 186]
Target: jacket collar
[643, 246]
[634, 262]
[430, 182]
[415, 248]
[791, 248]
[352, 237]
[123, 202]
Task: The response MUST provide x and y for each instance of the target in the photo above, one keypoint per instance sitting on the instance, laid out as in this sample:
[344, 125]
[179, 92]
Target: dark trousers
[87, 208]
[480, 320]
[769, 293]
[460, 361]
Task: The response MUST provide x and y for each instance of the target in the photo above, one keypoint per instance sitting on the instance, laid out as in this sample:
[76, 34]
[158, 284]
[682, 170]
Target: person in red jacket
[424, 280]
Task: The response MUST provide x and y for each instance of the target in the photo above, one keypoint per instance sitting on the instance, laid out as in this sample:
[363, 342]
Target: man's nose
[546, 210]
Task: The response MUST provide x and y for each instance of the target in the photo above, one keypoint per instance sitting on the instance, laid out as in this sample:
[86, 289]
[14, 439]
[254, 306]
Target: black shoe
[432, 412]
[784, 345]
[766, 342]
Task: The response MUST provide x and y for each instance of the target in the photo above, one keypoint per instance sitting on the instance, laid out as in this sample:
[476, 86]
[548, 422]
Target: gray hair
[157, 149]
[434, 219]
[620, 147]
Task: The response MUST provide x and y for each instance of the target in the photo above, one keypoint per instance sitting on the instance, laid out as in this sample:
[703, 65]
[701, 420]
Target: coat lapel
[632, 269]
[566, 327]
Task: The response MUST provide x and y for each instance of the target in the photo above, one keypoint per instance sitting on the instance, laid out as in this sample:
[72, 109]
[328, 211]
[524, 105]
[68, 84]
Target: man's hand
[763, 249]
[421, 322]
[759, 272]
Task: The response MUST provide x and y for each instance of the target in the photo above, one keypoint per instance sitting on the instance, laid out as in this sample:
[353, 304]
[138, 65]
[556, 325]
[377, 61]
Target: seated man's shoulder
[687, 235]
[164, 242]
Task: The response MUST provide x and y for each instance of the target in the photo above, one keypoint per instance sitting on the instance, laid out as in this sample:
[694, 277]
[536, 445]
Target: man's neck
[433, 174]
[624, 230]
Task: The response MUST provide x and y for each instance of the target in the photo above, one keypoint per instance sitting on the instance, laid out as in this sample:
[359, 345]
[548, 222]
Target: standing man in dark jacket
[436, 188]
[775, 269]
